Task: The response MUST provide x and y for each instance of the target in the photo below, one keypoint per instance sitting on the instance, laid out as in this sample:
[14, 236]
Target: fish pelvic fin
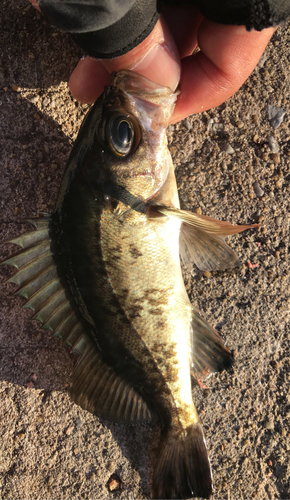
[201, 240]
[209, 354]
[182, 469]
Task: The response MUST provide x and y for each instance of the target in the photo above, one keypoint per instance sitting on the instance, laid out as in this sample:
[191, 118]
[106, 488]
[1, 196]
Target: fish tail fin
[183, 469]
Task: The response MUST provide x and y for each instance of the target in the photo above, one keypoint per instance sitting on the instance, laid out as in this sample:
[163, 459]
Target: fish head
[131, 150]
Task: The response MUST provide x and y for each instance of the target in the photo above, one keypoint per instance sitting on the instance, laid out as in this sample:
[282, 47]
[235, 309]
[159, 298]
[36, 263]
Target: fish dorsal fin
[39, 283]
[95, 385]
[209, 354]
[201, 239]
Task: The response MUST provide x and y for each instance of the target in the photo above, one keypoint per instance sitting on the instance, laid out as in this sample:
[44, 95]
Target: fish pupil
[125, 133]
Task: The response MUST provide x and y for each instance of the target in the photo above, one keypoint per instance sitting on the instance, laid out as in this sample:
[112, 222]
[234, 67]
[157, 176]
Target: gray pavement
[231, 163]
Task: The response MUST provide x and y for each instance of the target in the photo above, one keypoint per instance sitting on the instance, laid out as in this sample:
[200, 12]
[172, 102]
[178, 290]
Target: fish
[103, 273]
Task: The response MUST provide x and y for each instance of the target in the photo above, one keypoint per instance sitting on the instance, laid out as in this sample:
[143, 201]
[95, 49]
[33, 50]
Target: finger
[183, 22]
[156, 58]
[227, 57]
[88, 79]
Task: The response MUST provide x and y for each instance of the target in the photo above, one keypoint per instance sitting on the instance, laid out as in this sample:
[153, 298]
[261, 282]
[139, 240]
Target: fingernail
[159, 65]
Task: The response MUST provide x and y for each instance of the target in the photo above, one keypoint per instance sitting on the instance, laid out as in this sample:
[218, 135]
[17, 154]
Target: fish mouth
[132, 82]
[150, 99]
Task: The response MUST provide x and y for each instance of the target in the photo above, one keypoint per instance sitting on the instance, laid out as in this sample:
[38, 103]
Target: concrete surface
[227, 167]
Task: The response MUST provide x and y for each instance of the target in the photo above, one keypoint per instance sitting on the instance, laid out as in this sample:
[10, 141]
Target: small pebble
[111, 466]
[217, 128]
[262, 60]
[206, 274]
[279, 220]
[240, 124]
[187, 124]
[258, 190]
[17, 211]
[227, 148]
[113, 485]
[274, 146]
[34, 99]
[214, 127]
[50, 480]
[270, 424]
[275, 115]
[275, 157]
[78, 422]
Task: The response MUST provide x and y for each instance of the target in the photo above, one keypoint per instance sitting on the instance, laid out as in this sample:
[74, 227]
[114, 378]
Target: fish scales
[103, 274]
[160, 312]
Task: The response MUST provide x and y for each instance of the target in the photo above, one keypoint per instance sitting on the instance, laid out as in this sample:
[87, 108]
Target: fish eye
[120, 133]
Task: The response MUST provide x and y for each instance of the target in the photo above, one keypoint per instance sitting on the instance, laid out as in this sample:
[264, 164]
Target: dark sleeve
[111, 28]
[254, 14]
[103, 28]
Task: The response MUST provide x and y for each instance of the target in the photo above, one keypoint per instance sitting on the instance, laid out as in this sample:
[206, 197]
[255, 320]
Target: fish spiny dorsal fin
[95, 385]
[201, 240]
[39, 283]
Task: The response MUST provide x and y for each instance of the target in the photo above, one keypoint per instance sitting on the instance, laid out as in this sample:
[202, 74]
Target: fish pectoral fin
[182, 468]
[201, 240]
[209, 252]
[204, 222]
[209, 354]
[98, 389]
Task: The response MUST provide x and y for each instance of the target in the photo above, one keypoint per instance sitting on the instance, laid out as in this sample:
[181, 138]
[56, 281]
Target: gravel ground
[233, 163]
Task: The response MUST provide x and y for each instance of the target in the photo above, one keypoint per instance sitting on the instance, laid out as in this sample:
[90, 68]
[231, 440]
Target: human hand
[227, 56]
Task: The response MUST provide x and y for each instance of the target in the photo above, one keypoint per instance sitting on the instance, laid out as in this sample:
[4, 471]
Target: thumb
[155, 58]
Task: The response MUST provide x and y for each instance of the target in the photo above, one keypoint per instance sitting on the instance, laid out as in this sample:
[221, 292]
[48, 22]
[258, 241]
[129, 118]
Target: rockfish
[103, 273]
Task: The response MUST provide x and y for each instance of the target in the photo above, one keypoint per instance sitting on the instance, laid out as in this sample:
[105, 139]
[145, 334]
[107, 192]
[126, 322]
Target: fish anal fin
[182, 468]
[209, 354]
[98, 389]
